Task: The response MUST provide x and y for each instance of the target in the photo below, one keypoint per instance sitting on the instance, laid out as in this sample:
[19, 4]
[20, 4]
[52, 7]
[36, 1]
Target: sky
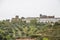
[28, 8]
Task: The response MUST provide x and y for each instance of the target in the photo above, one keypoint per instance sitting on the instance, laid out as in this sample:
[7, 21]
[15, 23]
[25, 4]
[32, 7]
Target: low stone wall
[26, 39]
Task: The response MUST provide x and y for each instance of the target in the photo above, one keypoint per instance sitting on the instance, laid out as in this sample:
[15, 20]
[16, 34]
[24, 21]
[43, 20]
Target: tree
[33, 22]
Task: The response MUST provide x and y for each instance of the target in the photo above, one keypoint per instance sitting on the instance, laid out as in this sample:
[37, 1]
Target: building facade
[44, 18]
[49, 19]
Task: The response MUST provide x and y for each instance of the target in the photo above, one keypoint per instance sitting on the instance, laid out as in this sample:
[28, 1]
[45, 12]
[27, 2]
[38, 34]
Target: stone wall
[25, 39]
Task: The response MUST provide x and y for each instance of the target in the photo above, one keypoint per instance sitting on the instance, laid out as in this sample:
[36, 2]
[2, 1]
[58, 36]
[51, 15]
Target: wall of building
[49, 19]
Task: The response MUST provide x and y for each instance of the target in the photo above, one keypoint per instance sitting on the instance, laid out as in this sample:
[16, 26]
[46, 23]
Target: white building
[44, 18]
[49, 19]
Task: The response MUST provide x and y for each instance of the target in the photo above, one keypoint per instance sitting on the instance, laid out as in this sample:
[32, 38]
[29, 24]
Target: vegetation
[16, 28]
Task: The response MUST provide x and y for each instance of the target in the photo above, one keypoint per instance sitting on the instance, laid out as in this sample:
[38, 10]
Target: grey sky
[26, 8]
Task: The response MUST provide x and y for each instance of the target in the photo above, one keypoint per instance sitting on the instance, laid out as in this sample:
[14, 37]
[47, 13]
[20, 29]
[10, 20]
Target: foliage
[16, 28]
[45, 38]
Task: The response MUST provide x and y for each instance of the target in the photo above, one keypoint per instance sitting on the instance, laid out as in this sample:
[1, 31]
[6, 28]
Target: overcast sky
[27, 8]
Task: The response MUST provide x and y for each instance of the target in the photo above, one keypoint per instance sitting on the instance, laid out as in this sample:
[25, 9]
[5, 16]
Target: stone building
[28, 19]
